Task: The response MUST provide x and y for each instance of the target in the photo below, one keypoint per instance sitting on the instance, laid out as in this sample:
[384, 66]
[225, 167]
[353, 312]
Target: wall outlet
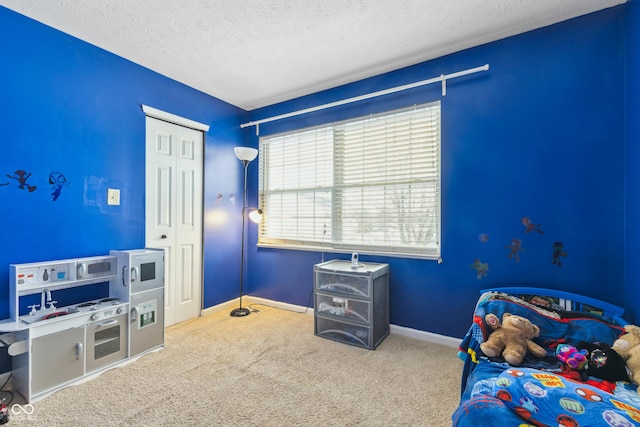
[113, 197]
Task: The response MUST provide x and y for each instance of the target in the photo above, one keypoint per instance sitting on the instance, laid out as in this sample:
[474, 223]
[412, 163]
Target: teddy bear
[628, 346]
[511, 338]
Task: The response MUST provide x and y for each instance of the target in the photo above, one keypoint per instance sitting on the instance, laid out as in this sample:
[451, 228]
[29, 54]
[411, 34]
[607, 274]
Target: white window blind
[370, 184]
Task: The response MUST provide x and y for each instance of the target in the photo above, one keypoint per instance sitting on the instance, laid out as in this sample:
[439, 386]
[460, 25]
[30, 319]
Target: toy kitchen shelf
[352, 304]
[36, 277]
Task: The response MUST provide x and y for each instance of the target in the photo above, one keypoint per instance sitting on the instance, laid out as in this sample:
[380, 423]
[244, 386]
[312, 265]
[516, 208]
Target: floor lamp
[246, 155]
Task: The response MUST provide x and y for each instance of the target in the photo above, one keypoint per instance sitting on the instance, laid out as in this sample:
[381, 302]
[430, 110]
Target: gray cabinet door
[56, 359]
[147, 321]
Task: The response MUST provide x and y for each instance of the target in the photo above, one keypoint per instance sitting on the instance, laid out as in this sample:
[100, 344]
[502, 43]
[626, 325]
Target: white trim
[425, 336]
[168, 117]
[277, 304]
[223, 306]
[394, 329]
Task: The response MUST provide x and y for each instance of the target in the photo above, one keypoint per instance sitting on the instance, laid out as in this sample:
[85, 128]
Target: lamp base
[239, 312]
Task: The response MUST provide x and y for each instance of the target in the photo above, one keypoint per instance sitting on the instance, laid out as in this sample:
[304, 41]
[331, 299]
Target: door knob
[164, 236]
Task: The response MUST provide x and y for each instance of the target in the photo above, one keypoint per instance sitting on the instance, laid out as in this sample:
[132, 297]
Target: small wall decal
[515, 247]
[530, 226]
[22, 177]
[484, 238]
[481, 268]
[57, 181]
[218, 198]
[558, 251]
[232, 198]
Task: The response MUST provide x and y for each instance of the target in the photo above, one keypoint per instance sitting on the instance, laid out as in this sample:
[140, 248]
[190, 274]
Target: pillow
[548, 399]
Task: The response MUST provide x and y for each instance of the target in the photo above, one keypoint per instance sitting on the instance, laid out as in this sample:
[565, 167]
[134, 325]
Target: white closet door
[174, 192]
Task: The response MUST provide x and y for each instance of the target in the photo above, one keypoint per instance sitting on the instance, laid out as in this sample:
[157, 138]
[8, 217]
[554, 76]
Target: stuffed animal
[511, 339]
[572, 357]
[628, 346]
[604, 362]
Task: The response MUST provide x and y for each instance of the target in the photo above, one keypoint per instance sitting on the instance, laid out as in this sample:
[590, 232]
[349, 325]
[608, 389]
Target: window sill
[349, 251]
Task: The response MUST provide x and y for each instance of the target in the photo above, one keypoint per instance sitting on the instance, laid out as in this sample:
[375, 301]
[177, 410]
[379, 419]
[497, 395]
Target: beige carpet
[267, 369]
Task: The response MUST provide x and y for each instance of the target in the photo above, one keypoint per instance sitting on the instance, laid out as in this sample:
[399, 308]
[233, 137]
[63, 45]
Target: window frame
[333, 244]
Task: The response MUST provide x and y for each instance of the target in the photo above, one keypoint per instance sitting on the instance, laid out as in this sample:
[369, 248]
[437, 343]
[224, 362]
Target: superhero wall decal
[22, 176]
[57, 181]
[530, 226]
[25, 179]
[481, 268]
[558, 251]
[516, 248]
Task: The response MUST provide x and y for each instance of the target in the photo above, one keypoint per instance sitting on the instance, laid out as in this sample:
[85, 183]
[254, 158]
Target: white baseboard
[277, 304]
[394, 329]
[248, 300]
[228, 305]
[425, 336]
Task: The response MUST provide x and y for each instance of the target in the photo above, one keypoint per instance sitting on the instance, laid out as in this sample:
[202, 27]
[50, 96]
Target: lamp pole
[240, 311]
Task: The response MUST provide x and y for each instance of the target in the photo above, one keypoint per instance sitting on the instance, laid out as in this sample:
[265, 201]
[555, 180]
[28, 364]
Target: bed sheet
[493, 390]
[555, 329]
[499, 394]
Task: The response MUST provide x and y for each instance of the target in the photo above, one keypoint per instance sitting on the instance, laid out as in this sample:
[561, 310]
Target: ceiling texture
[253, 53]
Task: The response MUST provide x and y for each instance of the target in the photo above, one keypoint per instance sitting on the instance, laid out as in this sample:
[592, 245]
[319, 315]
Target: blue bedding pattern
[545, 398]
[535, 393]
[501, 395]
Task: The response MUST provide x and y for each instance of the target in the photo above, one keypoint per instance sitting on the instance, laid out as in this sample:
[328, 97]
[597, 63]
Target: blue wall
[540, 135]
[71, 108]
[632, 246]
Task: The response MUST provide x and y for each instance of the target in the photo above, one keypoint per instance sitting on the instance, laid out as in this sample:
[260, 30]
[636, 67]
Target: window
[370, 184]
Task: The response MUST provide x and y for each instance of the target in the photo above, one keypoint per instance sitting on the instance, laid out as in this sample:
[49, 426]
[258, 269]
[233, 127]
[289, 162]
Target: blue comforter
[495, 393]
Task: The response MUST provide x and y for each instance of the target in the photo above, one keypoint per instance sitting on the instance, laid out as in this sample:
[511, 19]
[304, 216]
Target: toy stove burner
[87, 306]
[109, 301]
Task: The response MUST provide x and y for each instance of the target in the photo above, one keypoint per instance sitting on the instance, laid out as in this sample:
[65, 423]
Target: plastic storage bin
[352, 304]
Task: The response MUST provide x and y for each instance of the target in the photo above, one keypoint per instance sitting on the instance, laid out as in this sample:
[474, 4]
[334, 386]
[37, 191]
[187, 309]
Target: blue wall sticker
[57, 182]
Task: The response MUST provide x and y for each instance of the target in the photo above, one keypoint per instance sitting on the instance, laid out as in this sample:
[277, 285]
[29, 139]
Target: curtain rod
[442, 78]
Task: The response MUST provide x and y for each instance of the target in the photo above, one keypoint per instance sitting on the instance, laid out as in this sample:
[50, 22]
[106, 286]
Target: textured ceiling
[253, 53]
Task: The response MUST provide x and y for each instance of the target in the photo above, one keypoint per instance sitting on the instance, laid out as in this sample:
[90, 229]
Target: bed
[539, 392]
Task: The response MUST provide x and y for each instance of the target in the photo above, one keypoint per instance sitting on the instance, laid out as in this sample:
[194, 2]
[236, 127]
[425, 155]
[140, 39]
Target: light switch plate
[113, 196]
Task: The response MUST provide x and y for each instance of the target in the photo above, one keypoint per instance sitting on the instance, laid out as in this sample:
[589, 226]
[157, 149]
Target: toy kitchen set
[53, 347]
